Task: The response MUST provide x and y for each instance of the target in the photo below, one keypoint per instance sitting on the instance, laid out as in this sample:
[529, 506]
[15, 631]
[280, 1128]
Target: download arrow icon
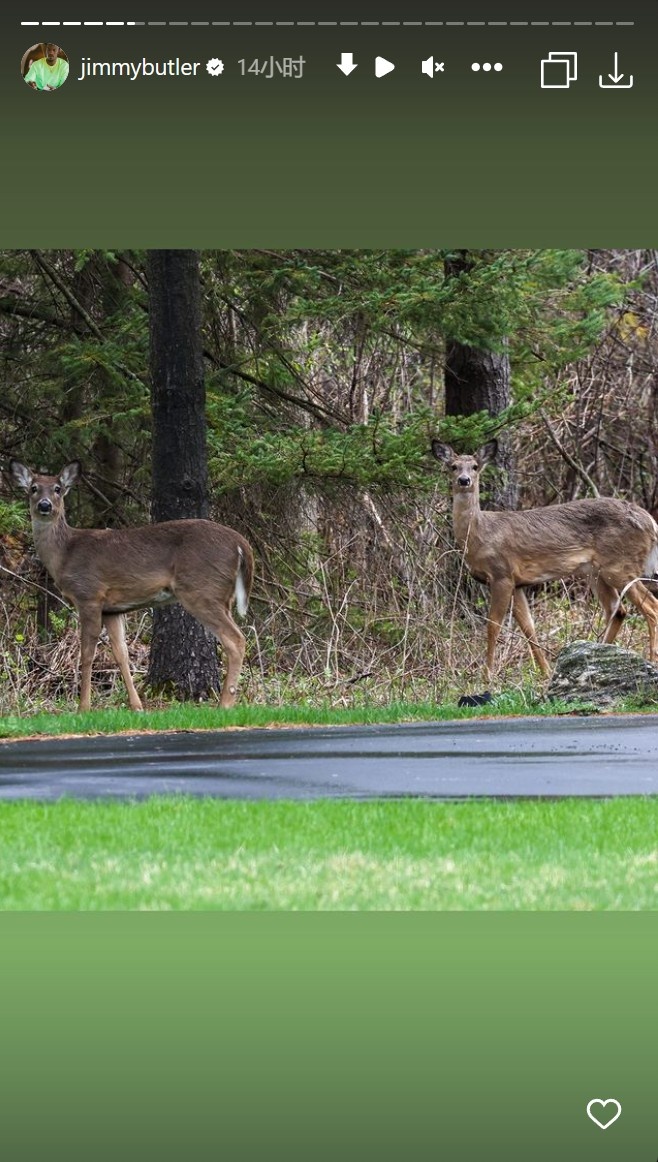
[347, 65]
[616, 78]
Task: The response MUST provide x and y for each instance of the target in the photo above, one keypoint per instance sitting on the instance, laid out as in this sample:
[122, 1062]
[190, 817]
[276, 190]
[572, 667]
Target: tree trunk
[477, 380]
[183, 654]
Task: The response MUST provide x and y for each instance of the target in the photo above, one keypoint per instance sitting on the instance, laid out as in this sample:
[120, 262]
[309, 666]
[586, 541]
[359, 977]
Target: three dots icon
[487, 67]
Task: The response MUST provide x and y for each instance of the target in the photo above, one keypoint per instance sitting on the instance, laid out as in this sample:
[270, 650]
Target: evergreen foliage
[324, 386]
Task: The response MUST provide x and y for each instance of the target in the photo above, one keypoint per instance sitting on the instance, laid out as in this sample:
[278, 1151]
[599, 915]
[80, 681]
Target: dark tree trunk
[477, 380]
[183, 654]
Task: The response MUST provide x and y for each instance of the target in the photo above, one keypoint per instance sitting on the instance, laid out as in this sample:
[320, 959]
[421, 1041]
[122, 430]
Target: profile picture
[45, 67]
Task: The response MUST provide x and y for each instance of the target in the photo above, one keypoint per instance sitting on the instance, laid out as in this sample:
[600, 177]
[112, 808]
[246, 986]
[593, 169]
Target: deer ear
[21, 474]
[488, 453]
[443, 452]
[70, 474]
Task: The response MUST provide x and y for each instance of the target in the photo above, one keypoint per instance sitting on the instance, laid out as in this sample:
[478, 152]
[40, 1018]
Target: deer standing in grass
[105, 573]
[611, 542]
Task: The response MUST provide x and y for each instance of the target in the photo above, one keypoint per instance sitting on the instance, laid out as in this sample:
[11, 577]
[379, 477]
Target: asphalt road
[529, 757]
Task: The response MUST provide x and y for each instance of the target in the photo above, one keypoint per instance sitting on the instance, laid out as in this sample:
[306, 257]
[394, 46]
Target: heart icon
[603, 1102]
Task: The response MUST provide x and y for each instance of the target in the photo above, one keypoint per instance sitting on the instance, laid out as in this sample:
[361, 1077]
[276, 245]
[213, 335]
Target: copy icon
[558, 70]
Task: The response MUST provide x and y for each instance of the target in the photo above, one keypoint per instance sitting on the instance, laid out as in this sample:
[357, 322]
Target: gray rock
[602, 675]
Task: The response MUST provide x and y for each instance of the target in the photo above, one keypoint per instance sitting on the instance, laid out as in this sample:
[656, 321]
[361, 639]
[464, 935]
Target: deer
[106, 573]
[611, 542]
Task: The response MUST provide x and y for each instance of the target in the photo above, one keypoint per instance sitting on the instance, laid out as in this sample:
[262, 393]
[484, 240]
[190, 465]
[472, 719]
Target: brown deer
[612, 542]
[105, 573]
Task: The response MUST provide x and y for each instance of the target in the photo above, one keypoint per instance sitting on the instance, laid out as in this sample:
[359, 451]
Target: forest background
[323, 376]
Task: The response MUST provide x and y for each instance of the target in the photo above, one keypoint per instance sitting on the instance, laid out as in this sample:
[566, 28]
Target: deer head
[46, 493]
[465, 469]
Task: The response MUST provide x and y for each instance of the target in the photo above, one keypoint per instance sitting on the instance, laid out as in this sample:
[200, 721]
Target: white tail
[614, 543]
[241, 595]
[107, 572]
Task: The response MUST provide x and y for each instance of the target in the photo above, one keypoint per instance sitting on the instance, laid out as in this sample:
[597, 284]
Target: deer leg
[90, 628]
[115, 626]
[523, 618]
[501, 595]
[648, 606]
[216, 617]
[233, 643]
[614, 614]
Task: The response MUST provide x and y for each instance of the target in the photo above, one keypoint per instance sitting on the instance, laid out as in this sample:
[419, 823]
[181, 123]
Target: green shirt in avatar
[47, 76]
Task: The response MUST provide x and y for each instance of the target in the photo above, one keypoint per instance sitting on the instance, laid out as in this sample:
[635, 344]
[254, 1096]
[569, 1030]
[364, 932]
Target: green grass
[188, 716]
[184, 853]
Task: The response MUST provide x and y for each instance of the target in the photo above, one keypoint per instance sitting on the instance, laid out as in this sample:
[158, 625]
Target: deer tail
[242, 582]
[651, 564]
[651, 567]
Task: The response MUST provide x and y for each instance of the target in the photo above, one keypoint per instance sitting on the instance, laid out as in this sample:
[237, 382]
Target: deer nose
[44, 506]
[464, 481]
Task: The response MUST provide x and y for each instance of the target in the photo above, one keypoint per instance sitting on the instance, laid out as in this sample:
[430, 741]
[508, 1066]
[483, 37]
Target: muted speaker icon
[430, 66]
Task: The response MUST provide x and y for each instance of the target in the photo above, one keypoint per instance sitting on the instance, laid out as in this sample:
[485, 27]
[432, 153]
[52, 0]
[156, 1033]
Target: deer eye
[57, 489]
[34, 489]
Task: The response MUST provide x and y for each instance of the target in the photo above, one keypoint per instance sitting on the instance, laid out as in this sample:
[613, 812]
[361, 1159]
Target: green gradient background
[388, 1036]
[485, 159]
[291, 1036]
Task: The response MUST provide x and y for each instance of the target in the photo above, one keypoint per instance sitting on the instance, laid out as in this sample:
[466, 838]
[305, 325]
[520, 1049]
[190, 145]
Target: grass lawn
[188, 716]
[184, 853]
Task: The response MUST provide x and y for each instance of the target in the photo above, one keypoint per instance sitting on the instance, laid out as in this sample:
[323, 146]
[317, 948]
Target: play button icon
[382, 66]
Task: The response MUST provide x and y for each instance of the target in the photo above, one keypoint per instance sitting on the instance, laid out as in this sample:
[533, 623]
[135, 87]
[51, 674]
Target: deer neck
[51, 541]
[466, 513]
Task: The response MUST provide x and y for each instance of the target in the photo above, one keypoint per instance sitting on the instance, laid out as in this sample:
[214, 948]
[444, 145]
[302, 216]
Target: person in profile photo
[45, 67]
